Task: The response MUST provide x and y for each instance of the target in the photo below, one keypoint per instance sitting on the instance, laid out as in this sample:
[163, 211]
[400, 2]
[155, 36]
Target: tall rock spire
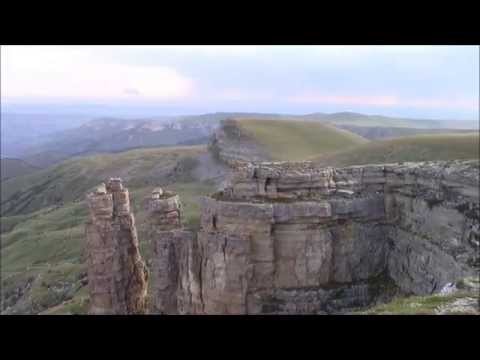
[117, 274]
[175, 265]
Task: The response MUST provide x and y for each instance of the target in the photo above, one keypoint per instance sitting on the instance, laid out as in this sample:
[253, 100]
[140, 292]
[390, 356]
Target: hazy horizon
[423, 82]
[95, 111]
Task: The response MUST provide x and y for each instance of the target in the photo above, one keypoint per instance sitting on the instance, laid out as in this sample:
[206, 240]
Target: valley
[43, 210]
[43, 141]
[43, 217]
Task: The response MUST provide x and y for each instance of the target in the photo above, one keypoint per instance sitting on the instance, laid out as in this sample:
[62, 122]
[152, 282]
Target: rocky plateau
[292, 238]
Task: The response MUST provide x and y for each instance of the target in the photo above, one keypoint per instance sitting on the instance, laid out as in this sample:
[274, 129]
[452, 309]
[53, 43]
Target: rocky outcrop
[292, 238]
[173, 282]
[434, 208]
[231, 144]
[117, 275]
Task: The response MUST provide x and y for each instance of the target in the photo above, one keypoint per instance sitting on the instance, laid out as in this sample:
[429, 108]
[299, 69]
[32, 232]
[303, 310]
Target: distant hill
[11, 168]
[44, 213]
[351, 118]
[110, 135]
[415, 148]
[21, 131]
[385, 132]
[253, 139]
[69, 180]
[77, 137]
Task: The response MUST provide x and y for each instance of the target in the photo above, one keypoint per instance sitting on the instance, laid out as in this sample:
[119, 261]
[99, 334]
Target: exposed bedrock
[175, 285]
[290, 238]
[117, 275]
[231, 144]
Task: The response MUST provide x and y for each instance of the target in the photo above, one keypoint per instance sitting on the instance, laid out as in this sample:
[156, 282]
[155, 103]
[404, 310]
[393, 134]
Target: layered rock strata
[173, 254]
[117, 275]
[230, 144]
[292, 238]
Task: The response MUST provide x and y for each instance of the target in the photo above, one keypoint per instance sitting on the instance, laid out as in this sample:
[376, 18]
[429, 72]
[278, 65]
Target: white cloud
[386, 77]
[74, 72]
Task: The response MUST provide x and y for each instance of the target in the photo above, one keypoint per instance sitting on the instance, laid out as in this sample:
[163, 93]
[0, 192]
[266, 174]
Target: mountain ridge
[112, 134]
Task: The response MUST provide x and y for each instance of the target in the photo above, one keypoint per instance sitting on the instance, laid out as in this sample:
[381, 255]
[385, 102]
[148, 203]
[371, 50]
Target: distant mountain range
[43, 140]
[21, 131]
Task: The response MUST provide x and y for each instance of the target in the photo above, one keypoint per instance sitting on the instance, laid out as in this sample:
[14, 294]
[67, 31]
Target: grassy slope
[415, 148]
[43, 249]
[350, 118]
[70, 180]
[421, 305]
[11, 168]
[465, 300]
[297, 140]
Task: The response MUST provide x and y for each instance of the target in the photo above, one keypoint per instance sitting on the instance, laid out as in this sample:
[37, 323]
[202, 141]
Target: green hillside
[42, 224]
[11, 168]
[297, 140]
[385, 133]
[356, 119]
[464, 301]
[414, 148]
[68, 181]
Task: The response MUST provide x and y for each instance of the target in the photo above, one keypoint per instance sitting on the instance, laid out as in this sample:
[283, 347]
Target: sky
[438, 82]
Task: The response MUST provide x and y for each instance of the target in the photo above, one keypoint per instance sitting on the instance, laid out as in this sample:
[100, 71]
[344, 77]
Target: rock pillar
[117, 275]
[174, 283]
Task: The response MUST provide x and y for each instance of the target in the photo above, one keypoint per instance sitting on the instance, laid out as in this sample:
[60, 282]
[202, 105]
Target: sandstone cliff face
[174, 255]
[435, 211]
[290, 238]
[117, 275]
[230, 144]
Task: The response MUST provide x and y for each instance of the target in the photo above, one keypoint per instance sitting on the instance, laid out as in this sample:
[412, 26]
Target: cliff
[117, 275]
[279, 140]
[230, 144]
[292, 238]
[172, 247]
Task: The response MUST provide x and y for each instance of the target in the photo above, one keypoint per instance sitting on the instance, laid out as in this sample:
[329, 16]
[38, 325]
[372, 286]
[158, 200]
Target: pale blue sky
[413, 81]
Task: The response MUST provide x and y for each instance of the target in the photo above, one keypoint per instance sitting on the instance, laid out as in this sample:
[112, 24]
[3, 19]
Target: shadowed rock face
[117, 275]
[231, 144]
[291, 238]
[172, 249]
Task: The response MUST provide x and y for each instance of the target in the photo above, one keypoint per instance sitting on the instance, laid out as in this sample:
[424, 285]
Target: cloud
[418, 80]
[36, 71]
[133, 92]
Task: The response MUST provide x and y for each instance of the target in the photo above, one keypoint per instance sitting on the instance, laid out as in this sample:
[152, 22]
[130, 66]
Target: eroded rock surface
[231, 144]
[292, 238]
[117, 275]
[174, 255]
